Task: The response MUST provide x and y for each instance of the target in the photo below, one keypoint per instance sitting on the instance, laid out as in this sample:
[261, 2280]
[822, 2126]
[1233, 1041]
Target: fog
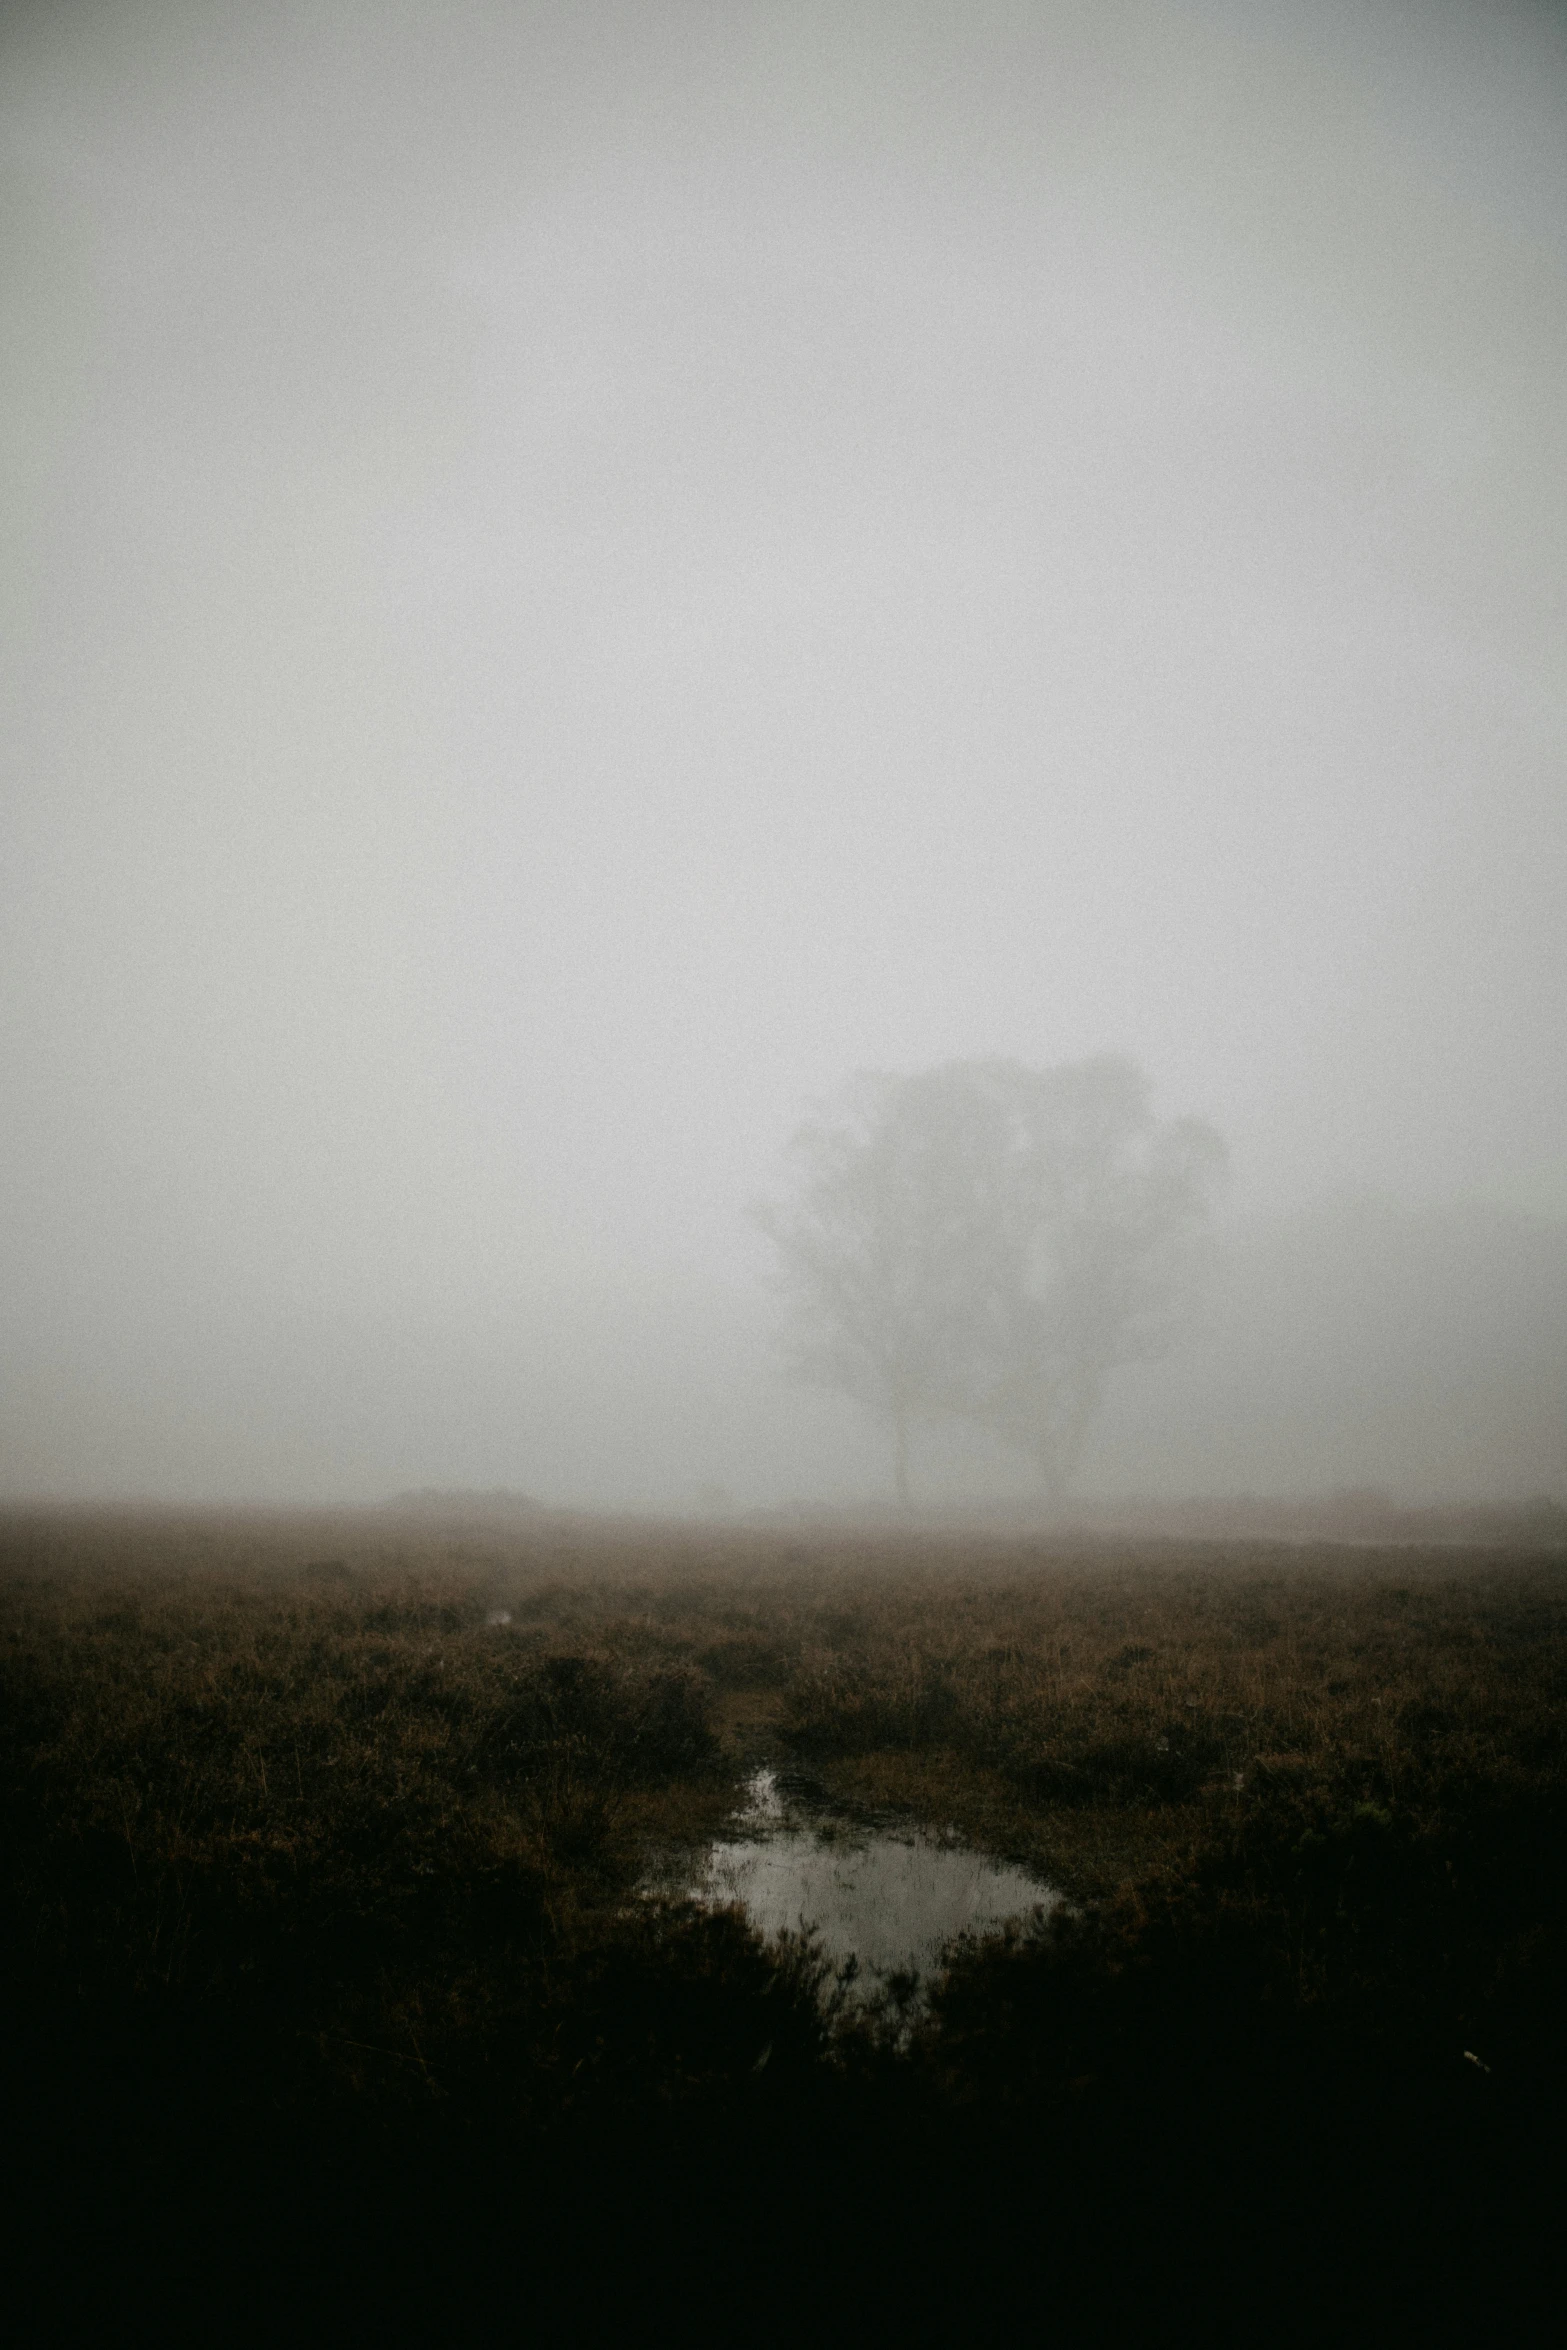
[575, 574]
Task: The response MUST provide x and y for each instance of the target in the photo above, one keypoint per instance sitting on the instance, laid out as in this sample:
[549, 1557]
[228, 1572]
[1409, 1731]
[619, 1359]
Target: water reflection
[890, 1898]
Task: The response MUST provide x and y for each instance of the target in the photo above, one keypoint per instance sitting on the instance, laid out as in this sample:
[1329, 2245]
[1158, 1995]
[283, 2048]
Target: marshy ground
[326, 1863]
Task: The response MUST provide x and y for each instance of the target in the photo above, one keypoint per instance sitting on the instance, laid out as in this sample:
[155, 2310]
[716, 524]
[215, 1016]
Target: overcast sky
[574, 574]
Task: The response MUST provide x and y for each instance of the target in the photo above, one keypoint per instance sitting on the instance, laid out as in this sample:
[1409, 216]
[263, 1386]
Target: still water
[891, 1898]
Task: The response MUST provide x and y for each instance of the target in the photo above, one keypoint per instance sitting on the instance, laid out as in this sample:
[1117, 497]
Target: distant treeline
[1359, 1516]
[1356, 1517]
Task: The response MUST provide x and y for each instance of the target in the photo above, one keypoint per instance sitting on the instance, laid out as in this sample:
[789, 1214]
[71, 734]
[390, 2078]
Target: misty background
[574, 574]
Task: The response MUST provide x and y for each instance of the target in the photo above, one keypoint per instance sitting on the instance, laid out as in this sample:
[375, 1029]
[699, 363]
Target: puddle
[889, 1897]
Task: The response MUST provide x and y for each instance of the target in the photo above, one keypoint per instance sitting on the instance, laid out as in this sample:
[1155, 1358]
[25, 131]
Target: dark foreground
[336, 2006]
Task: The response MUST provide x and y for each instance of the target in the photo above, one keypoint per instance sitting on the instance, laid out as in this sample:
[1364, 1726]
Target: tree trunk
[900, 1454]
[1060, 1445]
[1052, 1483]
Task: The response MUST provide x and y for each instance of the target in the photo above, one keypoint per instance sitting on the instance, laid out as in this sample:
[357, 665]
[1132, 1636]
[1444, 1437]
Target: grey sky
[575, 574]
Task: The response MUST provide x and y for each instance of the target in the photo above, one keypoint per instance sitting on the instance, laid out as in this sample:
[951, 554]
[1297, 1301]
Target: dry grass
[216, 1714]
[288, 1805]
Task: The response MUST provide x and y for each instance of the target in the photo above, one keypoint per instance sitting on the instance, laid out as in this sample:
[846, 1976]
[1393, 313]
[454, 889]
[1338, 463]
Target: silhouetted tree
[990, 1242]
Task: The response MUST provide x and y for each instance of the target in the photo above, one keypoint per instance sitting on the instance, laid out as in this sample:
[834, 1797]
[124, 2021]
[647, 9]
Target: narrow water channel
[890, 1897]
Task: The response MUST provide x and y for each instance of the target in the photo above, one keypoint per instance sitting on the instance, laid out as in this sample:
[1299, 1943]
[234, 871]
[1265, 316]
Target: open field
[324, 1838]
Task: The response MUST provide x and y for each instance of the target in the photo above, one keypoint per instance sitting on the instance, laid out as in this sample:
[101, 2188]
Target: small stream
[891, 1897]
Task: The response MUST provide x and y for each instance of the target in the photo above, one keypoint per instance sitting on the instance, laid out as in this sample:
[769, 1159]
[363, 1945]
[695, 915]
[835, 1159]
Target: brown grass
[221, 1720]
[294, 1829]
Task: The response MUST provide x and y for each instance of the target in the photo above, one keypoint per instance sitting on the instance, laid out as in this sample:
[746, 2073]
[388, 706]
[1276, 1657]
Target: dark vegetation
[334, 1976]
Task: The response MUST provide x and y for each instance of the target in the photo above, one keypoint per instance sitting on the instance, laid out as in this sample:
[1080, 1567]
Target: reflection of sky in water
[889, 1899]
